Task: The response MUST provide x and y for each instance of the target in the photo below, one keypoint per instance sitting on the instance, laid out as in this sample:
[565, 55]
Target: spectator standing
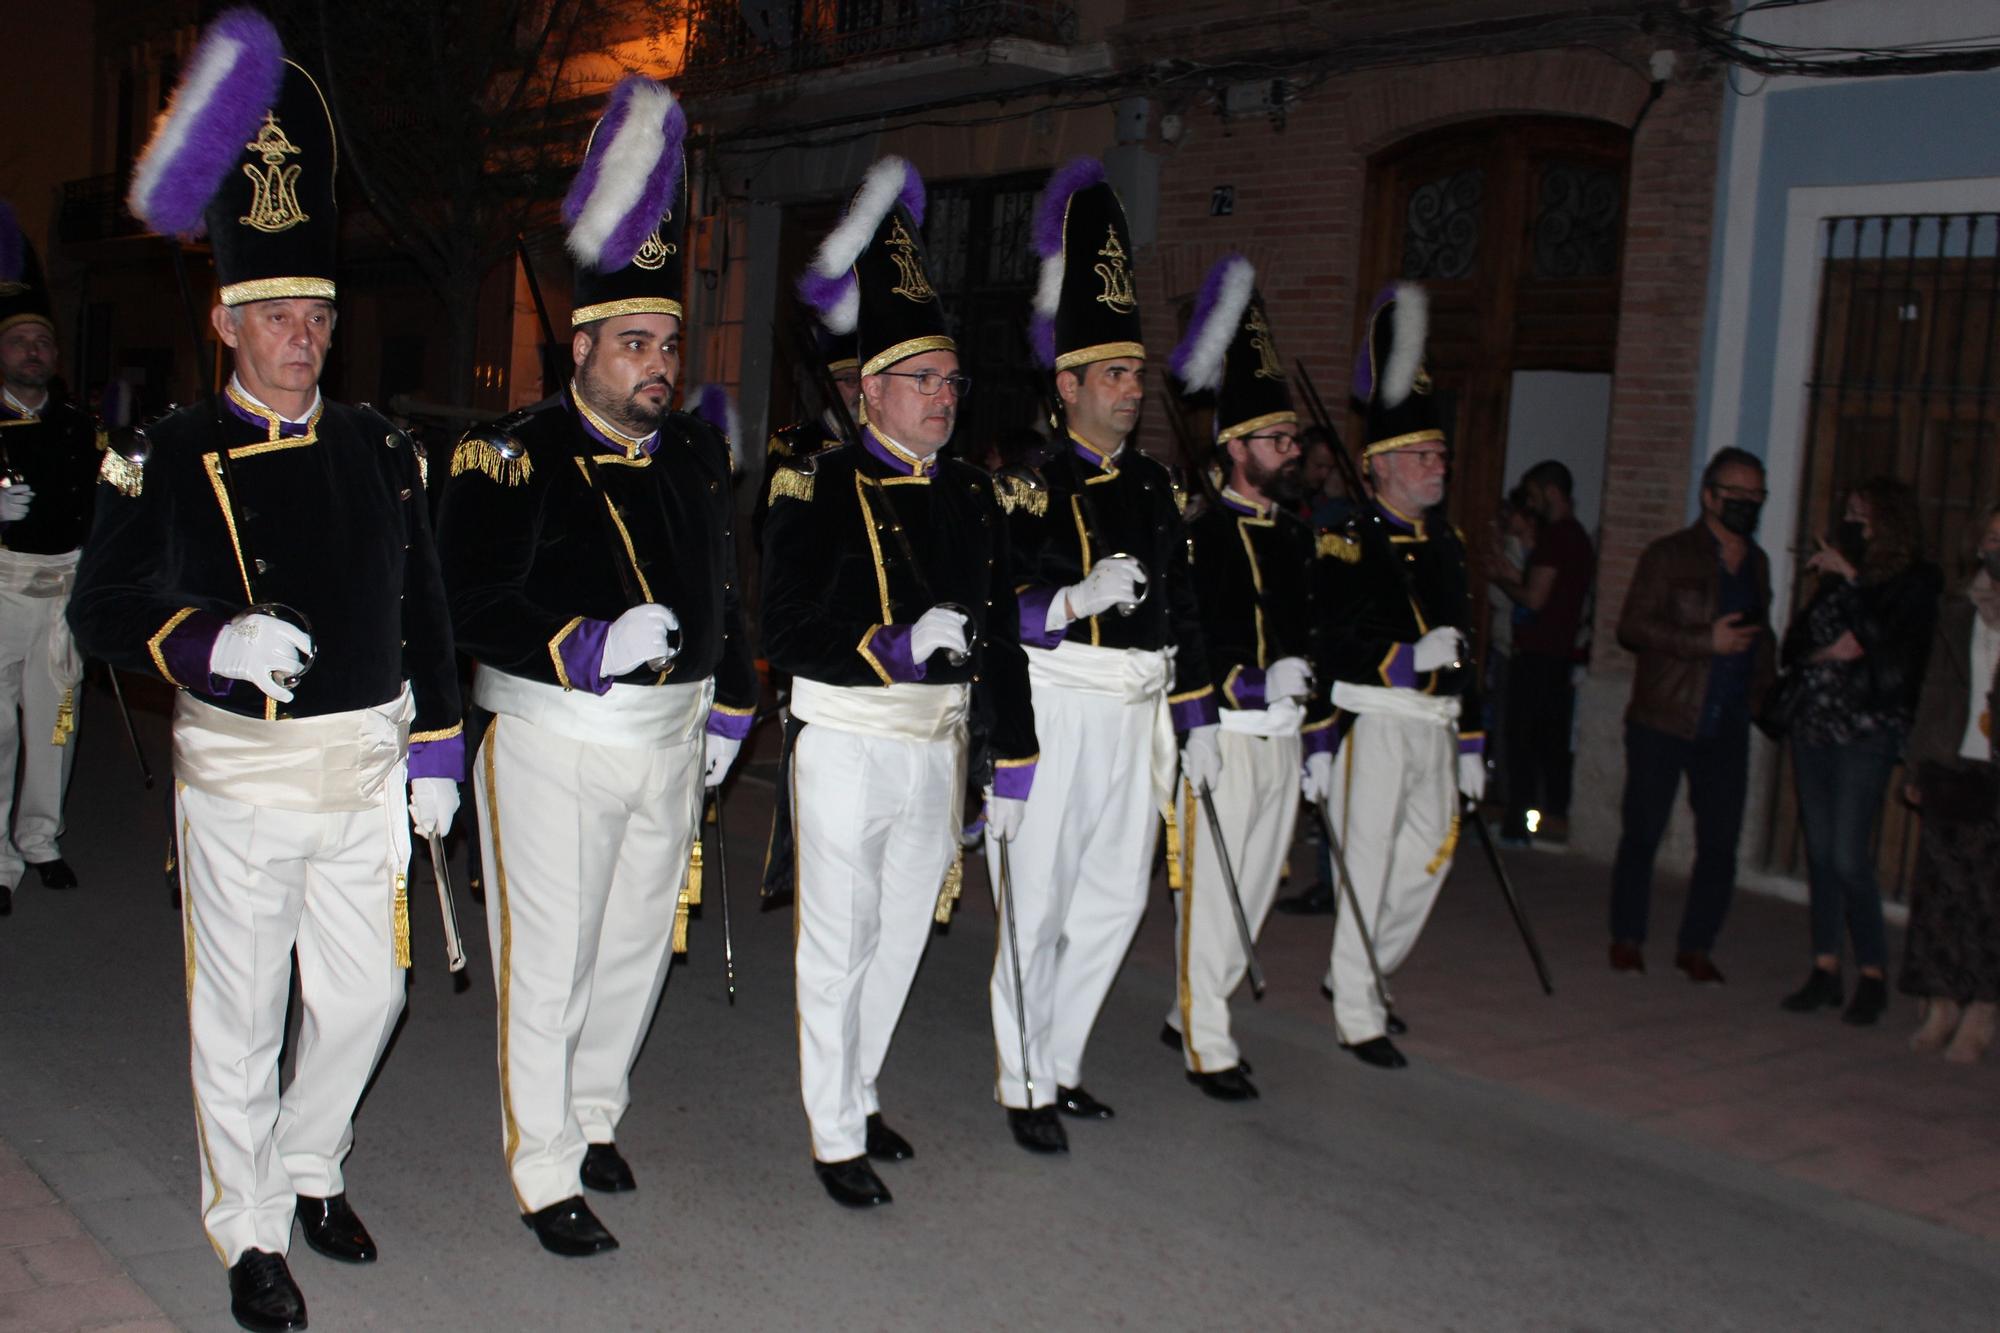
[1859, 647]
[1541, 698]
[1698, 618]
[1951, 954]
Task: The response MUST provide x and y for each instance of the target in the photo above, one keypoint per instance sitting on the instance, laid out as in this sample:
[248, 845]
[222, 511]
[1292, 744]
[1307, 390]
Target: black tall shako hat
[1086, 307]
[627, 208]
[868, 276]
[1390, 381]
[1229, 350]
[24, 295]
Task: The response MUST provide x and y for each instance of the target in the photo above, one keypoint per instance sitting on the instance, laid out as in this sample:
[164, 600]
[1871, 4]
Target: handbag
[1781, 704]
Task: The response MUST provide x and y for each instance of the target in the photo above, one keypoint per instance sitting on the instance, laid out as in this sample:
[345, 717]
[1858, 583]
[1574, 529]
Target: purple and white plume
[1218, 312]
[1406, 351]
[828, 284]
[713, 404]
[232, 79]
[1051, 212]
[13, 253]
[629, 174]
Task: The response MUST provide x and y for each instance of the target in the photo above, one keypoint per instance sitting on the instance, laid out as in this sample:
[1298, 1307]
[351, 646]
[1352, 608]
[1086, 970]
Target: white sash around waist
[1283, 718]
[907, 710]
[1390, 702]
[319, 765]
[633, 717]
[1133, 675]
[34, 575]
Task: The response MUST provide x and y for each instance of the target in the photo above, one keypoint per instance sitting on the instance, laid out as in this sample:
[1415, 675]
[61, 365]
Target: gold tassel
[681, 923]
[65, 718]
[1174, 881]
[1340, 546]
[691, 895]
[401, 929]
[476, 454]
[954, 884]
[1444, 853]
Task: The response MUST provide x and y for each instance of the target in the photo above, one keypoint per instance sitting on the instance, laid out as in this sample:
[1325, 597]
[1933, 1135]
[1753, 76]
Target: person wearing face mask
[1251, 554]
[1697, 619]
[1859, 646]
[1951, 951]
[589, 551]
[1390, 599]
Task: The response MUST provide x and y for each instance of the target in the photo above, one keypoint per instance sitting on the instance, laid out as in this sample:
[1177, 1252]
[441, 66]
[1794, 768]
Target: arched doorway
[1516, 226]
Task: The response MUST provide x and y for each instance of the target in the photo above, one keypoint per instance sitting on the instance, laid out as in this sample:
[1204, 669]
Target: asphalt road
[1344, 1198]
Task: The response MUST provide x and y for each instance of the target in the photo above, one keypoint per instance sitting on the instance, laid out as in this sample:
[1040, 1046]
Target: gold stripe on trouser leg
[1181, 923]
[503, 965]
[187, 946]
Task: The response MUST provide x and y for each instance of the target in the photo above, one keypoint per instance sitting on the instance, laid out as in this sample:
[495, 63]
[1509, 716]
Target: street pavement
[1629, 1154]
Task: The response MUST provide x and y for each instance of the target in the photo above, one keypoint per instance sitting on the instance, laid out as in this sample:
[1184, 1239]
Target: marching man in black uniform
[1252, 559]
[886, 598]
[1114, 645]
[588, 548]
[49, 454]
[1390, 603]
[306, 546]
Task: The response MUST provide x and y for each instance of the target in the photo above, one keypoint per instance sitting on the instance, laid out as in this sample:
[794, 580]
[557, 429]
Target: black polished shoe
[262, 1295]
[55, 874]
[6, 900]
[885, 1144]
[1038, 1130]
[852, 1183]
[1821, 991]
[1871, 998]
[570, 1229]
[1315, 901]
[1077, 1102]
[604, 1170]
[1225, 1085]
[1377, 1051]
[1393, 1025]
[1172, 1041]
[333, 1230]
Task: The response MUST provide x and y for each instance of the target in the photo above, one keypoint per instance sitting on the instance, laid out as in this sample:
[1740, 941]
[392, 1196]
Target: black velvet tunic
[57, 452]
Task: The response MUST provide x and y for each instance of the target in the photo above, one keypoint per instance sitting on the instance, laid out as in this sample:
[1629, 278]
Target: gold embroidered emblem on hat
[274, 202]
[1117, 293]
[1268, 365]
[915, 286]
[654, 252]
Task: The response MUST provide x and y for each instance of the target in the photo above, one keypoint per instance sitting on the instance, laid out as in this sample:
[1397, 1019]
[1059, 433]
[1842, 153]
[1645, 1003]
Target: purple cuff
[1246, 687]
[184, 653]
[1323, 739]
[1194, 710]
[1035, 631]
[735, 723]
[1472, 742]
[439, 759]
[1012, 780]
[1399, 668]
[582, 654]
[887, 648]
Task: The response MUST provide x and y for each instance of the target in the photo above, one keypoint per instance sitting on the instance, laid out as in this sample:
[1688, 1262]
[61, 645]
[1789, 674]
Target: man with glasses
[886, 598]
[1390, 598]
[1108, 613]
[1697, 618]
[1252, 555]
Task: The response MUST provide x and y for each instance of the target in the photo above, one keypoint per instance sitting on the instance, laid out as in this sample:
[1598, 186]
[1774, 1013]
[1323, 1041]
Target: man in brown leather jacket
[1698, 619]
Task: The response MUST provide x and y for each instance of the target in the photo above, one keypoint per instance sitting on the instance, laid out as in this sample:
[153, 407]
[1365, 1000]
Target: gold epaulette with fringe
[789, 483]
[476, 453]
[1015, 491]
[122, 474]
[1340, 546]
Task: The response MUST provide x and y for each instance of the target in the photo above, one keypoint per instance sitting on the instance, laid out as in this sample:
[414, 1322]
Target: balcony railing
[93, 209]
[745, 41]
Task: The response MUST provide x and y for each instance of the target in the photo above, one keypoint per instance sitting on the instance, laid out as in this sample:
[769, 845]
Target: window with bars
[978, 247]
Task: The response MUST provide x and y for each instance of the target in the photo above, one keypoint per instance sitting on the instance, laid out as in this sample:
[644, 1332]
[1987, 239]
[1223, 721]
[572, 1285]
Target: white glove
[636, 638]
[1287, 678]
[14, 502]
[1003, 816]
[1201, 757]
[1316, 784]
[1442, 647]
[1472, 775]
[433, 802]
[720, 754]
[260, 649]
[938, 628]
[1109, 583]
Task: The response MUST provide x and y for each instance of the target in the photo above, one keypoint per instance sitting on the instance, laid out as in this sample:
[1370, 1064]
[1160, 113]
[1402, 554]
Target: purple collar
[253, 413]
[13, 409]
[1248, 508]
[608, 437]
[1091, 454]
[1398, 523]
[900, 460]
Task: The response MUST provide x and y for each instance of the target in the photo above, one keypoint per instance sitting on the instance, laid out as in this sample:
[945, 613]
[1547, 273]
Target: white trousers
[258, 883]
[30, 695]
[1081, 865]
[1395, 803]
[1257, 803]
[585, 847]
[874, 819]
